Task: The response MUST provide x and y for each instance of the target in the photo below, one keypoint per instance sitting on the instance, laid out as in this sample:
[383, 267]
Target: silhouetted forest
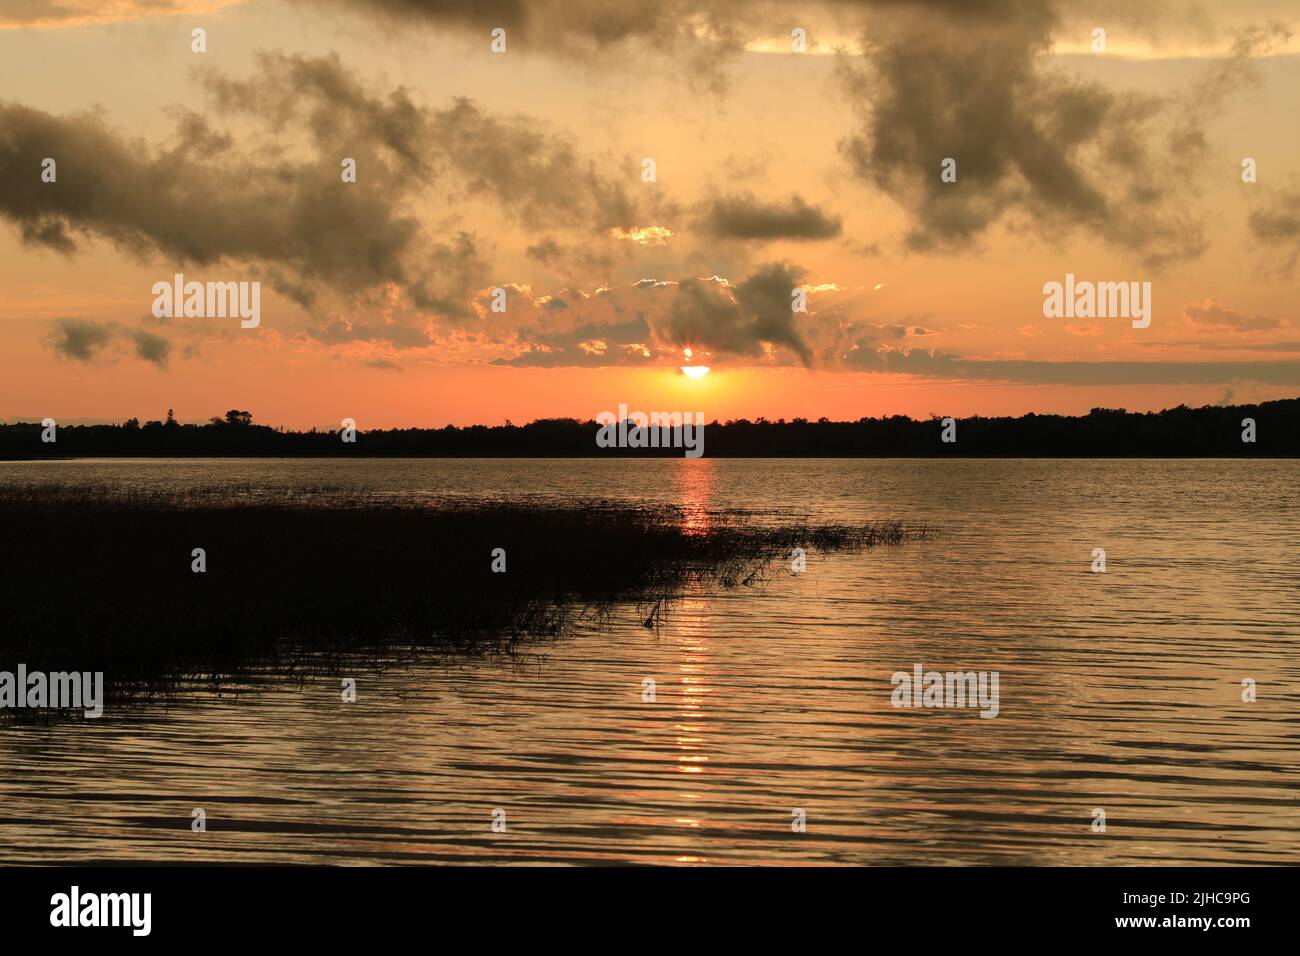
[1211, 431]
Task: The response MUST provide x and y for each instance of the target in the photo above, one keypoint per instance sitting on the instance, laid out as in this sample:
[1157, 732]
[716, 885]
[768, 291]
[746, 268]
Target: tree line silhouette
[1210, 431]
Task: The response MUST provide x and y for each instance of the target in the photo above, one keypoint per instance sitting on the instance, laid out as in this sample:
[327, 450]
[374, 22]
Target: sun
[693, 371]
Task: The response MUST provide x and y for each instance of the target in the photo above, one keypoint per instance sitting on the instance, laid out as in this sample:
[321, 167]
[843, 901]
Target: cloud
[741, 319]
[85, 340]
[537, 178]
[1280, 221]
[387, 322]
[81, 339]
[648, 322]
[557, 19]
[152, 348]
[201, 200]
[934, 364]
[1277, 225]
[1229, 344]
[1211, 313]
[589, 344]
[745, 217]
[700, 34]
[195, 205]
[74, 13]
[545, 251]
[1032, 145]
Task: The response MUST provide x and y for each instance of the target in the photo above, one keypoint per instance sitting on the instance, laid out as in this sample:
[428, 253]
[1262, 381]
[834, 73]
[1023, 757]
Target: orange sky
[775, 170]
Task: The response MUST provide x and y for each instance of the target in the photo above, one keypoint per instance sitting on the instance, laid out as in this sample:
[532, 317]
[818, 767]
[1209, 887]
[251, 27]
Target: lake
[1120, 692]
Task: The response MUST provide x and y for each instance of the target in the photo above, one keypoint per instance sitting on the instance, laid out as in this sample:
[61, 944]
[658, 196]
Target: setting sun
[693, 371]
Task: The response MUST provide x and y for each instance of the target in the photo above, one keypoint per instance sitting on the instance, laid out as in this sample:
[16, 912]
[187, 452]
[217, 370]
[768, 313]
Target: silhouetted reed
[101, 579]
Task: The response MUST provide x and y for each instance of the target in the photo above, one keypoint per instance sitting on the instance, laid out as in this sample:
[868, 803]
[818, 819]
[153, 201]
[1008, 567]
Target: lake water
[1119, 692]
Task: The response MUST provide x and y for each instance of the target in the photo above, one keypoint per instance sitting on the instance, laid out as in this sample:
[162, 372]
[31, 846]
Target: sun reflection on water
[695, 479]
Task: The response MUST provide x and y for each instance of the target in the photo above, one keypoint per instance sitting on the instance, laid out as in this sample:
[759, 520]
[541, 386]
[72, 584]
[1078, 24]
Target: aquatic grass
[100, 578]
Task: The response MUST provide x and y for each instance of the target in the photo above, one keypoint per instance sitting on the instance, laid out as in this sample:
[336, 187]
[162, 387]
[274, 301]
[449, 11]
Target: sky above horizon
[777, 172]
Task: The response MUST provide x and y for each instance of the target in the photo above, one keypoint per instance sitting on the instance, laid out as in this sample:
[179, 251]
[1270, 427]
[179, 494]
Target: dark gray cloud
[532, 172]
[546, 251]
[738, 319]
[189, 206]
[202, 201]
[745, 217]
[702, 32]
[929, 363]
[700, 37]
[651, 320]
[526, 18]
[1032, 145]
[1230, 345]
[600, 24]
[81, 339]
[151, 347]
[1280, 221]
[538, 179]
[1277, 226]
[703, 25]
[85, 340]
[1213, 314]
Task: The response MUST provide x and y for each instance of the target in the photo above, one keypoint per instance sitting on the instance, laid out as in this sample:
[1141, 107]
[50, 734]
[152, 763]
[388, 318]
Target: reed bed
[101, 579]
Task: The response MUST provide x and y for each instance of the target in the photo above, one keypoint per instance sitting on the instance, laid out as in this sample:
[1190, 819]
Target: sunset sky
[523, 170]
